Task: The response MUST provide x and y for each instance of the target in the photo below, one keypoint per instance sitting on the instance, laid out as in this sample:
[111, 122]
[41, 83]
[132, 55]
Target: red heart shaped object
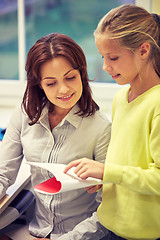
[49, 186]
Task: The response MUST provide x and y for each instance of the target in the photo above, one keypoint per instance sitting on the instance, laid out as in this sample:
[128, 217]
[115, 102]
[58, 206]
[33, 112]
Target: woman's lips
[66, 98]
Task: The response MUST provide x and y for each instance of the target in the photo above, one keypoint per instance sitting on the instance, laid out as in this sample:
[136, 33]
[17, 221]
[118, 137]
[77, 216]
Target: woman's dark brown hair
[46, 48]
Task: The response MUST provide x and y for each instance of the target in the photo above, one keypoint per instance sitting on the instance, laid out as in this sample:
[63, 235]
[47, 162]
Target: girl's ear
[144, 50]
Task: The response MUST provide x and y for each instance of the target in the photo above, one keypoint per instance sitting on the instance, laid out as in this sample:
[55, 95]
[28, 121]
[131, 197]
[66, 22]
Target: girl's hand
[86, 168]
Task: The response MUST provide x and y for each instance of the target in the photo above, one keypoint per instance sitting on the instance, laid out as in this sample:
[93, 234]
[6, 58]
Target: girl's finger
[71, 164]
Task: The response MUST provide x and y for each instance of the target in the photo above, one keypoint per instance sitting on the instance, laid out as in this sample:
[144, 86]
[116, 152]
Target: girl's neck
[144, 82]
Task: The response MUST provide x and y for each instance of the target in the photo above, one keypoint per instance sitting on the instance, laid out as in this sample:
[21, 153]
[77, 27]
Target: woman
[57, 123]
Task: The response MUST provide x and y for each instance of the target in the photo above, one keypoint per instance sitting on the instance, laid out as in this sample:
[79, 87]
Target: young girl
[128, 38]
[57, 123]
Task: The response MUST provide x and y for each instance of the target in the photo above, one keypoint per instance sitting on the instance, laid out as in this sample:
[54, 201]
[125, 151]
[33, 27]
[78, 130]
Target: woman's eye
[70, 78]
[51, 84]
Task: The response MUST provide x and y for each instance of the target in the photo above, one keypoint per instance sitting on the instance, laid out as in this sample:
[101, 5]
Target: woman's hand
[93, 189]
[85, 168]
[41, 238]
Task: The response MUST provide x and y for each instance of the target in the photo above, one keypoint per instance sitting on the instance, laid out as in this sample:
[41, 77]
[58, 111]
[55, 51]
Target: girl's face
[119, 62]
[61, 83]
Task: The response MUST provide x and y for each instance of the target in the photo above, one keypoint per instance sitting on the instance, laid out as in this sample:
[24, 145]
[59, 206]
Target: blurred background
[22, 22]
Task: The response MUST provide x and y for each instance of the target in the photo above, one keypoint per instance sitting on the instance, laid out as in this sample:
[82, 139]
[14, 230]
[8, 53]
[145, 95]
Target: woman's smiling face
[61, 83]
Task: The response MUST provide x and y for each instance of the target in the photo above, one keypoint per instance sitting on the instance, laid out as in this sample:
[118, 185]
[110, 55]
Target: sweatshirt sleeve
[137, 179]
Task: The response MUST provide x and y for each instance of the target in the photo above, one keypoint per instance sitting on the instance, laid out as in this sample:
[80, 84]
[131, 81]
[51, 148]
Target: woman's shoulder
[18, 114]
[99, 118]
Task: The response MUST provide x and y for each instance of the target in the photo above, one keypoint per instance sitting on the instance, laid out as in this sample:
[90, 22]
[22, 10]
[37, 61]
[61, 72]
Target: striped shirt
[75, 137]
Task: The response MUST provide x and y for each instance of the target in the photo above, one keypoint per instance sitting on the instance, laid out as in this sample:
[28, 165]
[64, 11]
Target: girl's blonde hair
[131, 26]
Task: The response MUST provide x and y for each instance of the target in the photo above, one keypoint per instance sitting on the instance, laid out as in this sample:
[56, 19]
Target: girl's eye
[114, 58]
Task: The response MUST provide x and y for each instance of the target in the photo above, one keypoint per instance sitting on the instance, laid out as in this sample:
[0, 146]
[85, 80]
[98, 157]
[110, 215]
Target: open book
[61, 182]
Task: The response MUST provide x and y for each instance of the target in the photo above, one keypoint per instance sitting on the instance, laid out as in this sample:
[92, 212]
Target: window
[24, 21]
[8, 41]
[78, 19]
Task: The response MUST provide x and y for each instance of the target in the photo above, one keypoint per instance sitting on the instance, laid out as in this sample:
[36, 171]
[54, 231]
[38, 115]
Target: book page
[61, 182]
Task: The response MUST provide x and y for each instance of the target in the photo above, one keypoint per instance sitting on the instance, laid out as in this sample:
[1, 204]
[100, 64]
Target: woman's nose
[63, 88]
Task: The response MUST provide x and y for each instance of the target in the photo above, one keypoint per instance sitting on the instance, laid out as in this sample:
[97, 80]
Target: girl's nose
[106, 66]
